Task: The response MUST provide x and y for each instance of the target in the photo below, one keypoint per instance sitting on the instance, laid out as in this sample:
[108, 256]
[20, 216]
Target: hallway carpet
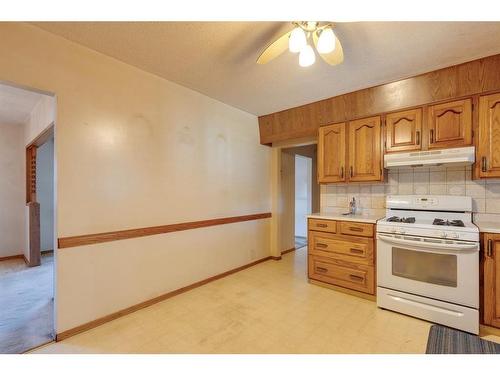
[26, 305]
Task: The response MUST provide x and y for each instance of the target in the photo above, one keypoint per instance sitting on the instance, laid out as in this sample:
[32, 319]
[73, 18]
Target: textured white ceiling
[218, 58]
[16, 104]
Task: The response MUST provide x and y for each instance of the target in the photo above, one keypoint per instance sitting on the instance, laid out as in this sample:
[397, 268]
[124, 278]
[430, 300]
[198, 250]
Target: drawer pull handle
[432, 135]
[489, 251]
[356, 251]
[323, 245]
[356, 278]
[321, 269]
[342, 173]
[356, 229]
[484, 167]
[321, 225]
[418, 138]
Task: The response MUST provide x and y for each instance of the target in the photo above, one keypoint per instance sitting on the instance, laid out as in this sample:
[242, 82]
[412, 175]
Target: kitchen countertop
[488, 226]
[364, 218]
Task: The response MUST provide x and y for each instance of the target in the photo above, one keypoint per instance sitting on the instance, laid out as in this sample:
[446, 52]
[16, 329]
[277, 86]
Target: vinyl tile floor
[268, 308]
[26, 305]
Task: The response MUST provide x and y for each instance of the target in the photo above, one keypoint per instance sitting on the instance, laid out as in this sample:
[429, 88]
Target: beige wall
[134, 150]
[12, 198]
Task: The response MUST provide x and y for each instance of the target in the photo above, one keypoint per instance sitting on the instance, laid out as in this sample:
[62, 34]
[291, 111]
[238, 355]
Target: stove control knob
[393, 230]
[454, 235]
[402, 231]
[444, 234]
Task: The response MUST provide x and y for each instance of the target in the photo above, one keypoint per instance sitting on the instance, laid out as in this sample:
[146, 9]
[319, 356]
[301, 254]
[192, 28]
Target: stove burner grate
[451, 223]
[397, 219]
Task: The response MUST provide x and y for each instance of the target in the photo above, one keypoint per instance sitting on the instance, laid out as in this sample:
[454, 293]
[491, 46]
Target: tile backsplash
[420, 180]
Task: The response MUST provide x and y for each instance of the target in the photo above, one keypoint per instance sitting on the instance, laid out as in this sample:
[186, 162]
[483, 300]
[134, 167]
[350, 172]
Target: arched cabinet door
[332, 153]
[365, 150]
[450, 124]
[488, 148]
[403, 130]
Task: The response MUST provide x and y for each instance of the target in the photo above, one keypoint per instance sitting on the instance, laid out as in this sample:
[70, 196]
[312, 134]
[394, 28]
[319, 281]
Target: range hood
[451, 156]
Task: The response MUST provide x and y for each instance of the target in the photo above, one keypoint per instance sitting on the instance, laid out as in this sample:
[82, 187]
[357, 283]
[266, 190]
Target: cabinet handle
[432, 135]
[356, 229]
[323, 245]
[356, 251]
[418, 138]
[483, 164]
[489, 251]
[321, 269]
[356, 278]
[352, 174]
[321, 225]
[342, 172]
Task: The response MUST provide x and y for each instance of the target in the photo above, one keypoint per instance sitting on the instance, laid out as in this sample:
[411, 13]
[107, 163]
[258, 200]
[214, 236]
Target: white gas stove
[428, 259]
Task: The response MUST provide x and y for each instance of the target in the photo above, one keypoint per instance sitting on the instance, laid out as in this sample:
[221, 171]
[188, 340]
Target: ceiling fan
[296, 41]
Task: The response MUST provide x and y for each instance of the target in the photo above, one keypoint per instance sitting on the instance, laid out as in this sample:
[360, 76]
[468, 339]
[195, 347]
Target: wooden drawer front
[347, 248]
[323, 225]
[352, 276]
[357, 229]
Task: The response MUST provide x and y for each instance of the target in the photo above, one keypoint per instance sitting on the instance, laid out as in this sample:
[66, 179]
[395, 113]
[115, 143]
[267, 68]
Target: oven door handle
[428, 245]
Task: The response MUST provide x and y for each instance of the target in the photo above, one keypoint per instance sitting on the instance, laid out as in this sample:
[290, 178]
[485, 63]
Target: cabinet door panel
[488, 151]
[403, 130]
[450, 124]
[491, 279]
[331, 153]
[365, 151]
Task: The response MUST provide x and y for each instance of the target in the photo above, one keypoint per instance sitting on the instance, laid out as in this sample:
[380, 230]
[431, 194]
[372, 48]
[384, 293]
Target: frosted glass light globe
[297, 40]
[326, 41]
[306, 56]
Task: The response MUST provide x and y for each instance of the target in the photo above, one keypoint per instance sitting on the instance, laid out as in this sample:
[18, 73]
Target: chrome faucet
[352, 206]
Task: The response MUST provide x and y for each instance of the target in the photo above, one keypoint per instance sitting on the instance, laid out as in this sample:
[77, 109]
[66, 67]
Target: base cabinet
[343, 254]
[491, 279]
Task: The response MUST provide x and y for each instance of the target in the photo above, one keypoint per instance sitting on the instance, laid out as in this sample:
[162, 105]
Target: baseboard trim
[105, 319]
[10, 257]
[275, 258]
[288, 251]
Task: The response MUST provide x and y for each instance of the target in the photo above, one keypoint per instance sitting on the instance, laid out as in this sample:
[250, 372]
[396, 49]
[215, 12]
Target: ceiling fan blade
[275, 49]
[336, 56]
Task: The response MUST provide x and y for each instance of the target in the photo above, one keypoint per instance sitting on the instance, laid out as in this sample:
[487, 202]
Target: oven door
[446, 270]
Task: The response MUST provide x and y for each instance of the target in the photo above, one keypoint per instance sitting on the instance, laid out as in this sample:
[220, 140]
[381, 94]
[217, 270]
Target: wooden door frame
[32, 204]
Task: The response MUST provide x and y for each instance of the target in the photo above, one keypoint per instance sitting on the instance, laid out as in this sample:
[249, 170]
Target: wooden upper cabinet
[365, 150]
[403, 130]
[488, 147]
[491, 272]
[450, 124]
[332, 153]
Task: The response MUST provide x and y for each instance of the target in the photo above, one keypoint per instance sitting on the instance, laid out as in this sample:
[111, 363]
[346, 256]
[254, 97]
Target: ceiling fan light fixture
[306, 56]
[297, 40]
[326, 41]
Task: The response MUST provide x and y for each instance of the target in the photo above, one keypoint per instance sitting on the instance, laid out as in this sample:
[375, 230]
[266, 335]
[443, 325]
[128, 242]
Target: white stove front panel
[447, 272]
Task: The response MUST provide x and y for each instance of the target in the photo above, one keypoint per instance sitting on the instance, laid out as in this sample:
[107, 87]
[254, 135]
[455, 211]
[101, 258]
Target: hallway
[26, 314]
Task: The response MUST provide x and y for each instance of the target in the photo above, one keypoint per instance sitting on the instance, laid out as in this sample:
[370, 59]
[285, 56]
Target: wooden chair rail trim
[105, 319]
[90, 239]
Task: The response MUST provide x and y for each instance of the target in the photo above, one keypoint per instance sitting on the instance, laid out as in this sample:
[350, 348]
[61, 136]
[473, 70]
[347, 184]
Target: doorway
[303, 198]
[27, 218]
[299, 194]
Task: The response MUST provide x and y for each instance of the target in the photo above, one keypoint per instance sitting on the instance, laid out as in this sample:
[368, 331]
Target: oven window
[439, 269]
